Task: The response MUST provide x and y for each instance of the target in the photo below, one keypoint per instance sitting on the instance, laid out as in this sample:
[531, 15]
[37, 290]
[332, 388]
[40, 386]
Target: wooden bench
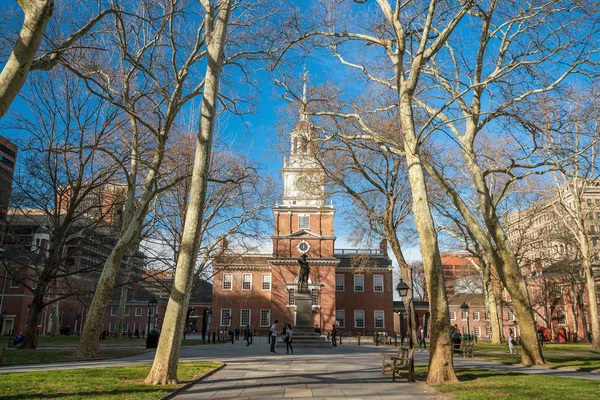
[398, 362]
[465, 348]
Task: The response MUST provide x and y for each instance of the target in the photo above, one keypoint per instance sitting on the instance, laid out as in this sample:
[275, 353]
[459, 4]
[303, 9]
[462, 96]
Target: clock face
[303, 247]
[302, 184]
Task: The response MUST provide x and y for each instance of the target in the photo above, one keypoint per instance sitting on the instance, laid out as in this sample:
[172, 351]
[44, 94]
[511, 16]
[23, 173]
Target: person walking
[237, 332]
[421, 337]
[334, 336]
[512, 343]
[247, 335]
[273, 336]
[288, 339]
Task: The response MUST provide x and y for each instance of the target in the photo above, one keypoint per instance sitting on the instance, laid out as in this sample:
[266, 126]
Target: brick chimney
[383, 245]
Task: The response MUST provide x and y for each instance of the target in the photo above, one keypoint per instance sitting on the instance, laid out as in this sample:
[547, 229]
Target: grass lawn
[17, 357]
[97, 383]
[579, 363]
[483, 384]
[584, 349]
[46, 341]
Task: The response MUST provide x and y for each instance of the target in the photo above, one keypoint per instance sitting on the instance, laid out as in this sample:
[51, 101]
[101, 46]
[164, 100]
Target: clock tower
[303, 221]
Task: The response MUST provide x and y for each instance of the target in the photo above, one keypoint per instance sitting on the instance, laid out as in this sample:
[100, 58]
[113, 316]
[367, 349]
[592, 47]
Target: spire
[303, 105]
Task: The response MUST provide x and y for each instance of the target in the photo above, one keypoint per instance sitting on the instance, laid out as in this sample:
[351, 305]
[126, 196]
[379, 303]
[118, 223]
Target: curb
[192, 383]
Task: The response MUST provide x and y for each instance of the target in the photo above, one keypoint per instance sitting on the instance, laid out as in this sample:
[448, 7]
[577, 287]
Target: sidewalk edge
[192, 383]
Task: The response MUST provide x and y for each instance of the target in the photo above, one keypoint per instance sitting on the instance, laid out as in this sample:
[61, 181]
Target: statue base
[304, 331]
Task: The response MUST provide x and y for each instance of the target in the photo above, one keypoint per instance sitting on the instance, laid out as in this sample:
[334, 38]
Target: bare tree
[59, 188]
[389, 53]
[577, 187]
[214, 34]
[151, 77]
[526, 69]
[24, 56]
[375, 182]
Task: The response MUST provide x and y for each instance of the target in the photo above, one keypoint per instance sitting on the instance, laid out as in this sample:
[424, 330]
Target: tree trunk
[593, 299]
[581, 307]
[55, 318]
[509, 270]
[441, 365]
[406, 274]
[89, 343]
[164, 368]
[490, 301]
[574, 317]
[14, 74]
[31, 330]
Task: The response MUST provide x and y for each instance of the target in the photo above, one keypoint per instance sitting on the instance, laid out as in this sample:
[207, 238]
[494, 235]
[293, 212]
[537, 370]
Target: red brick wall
[368, 301]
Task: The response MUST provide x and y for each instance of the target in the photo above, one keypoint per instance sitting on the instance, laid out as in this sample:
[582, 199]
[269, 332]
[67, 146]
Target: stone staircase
[305, 337]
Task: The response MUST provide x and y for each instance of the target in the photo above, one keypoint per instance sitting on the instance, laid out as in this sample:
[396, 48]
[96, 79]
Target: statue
[303, 275]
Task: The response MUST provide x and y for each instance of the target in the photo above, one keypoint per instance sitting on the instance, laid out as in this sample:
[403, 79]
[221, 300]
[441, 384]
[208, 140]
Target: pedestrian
[317, 329]
[421, 338]
[334, 336]
[288, 339]
[237, 333]
[247, 335]
[512, 343]
[273, 336]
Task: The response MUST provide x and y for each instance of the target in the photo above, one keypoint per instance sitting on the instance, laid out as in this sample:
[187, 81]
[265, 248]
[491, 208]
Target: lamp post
[402, 289]
[465, 308]
[151, 303]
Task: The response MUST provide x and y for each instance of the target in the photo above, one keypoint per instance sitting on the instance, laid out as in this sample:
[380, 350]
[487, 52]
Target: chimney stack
[383, 245]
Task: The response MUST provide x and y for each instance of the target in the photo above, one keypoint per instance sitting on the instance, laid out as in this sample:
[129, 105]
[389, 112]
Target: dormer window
[304, 222]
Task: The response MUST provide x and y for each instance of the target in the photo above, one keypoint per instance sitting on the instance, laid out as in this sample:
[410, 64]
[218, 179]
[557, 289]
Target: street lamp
[402, 289]
[151, 303]
[465, 308]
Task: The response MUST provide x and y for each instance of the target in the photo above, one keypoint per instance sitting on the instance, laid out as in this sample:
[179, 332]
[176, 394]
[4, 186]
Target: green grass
[18, 357]
[584, 349]
[485, 384]
[57, 341]
[579, 363]
[97, 383]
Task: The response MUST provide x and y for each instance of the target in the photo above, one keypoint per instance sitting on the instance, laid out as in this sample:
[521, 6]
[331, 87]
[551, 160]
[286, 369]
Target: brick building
[8, 158]
[351, 287]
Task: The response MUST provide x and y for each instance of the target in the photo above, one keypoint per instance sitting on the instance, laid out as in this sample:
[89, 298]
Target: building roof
[472, 299]
[457, 259]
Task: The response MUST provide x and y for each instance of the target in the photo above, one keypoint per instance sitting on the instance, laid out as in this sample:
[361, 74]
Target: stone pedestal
[303, 310]
[304, 331]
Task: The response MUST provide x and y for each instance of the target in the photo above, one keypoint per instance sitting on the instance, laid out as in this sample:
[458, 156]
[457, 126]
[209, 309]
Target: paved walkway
[348, 371]
[343, 372]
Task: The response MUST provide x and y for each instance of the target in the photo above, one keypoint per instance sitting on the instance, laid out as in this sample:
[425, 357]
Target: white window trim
[363, 319]
[270, 281]
[230, 282]
[465, 316]
[113, 325]
[300, 217]
[476, 316]
[127, 311]
[375, 319]
[363, 283]
[260, 318]
[114, 311]
[343, 318]
[250, 275]
[382, 284]
[12, 284]
[221, 316]
[140, 311]
[249, 316]
[452, 315]
[343, 283]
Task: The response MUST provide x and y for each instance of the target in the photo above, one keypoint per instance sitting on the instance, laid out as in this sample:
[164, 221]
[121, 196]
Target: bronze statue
[303, 275]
